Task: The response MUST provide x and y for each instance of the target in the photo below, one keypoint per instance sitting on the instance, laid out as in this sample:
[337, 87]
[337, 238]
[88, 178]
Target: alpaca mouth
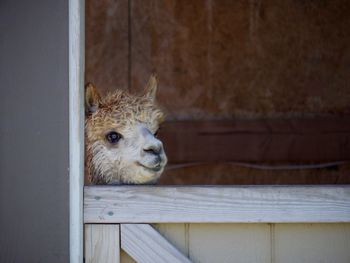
[153, 169]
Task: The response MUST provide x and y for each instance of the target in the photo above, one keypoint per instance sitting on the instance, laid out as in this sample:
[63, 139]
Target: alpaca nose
[153, 149]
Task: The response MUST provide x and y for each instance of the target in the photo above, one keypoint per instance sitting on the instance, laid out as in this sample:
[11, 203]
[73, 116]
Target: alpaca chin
[141, 178]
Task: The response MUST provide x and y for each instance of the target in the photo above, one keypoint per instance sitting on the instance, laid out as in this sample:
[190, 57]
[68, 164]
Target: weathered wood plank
[290, 140]
[102, 243]
[238, 243]
[176, 234]
[154, 204]
[213, 64]
[144, 244]
[107, 44]
[312, 243]
[125, 258]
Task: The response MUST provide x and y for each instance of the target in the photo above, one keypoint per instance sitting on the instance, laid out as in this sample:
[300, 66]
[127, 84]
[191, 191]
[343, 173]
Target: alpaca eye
[113, 137]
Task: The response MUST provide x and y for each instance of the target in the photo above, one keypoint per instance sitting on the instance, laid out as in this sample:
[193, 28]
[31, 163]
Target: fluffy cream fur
[138, 157]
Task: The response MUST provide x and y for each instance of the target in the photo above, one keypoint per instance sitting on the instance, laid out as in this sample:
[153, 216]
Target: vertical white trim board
[76, 128]
[145, 245]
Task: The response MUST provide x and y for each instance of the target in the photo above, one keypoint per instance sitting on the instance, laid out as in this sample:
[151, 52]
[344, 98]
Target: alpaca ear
[151, 87]
[92, 98]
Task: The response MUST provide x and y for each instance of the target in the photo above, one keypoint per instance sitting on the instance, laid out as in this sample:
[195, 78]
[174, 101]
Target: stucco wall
[34, 196]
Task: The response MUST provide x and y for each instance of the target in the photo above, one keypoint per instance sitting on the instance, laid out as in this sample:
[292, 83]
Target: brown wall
[226, 59]
[219, 59]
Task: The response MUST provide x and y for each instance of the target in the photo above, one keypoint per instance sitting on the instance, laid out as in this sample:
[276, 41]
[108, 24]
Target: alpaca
[121, 142]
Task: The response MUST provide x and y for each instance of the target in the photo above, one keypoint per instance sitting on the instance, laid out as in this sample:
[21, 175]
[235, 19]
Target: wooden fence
[118, 217]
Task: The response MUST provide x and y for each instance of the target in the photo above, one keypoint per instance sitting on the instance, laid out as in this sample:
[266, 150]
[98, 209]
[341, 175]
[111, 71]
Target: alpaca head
[121, 142]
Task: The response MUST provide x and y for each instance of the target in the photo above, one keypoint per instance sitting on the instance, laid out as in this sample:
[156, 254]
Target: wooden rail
[308, 140]
[154, 204]
[109, 210]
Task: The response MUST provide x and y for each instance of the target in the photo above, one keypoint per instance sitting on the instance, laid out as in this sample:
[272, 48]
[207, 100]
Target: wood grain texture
[223, 59]
[226, 243]
[210, 152]
[176, 234]
[283, 141]
[152, 204]
[125, 258]
[107, 44]
[225, 173]
[102, 243]
[272, 243]
[144, 244]
[326, 243]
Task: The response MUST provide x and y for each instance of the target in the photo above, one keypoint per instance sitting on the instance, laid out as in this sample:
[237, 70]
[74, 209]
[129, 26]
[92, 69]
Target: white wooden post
[76, 128]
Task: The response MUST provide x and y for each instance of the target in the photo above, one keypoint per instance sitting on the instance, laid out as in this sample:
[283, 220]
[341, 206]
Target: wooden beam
[286, 140]
[102, 243]
[145, 245]
[154, 204]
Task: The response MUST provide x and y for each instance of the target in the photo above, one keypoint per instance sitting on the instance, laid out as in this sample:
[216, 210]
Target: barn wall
[260, 243]
[34, 190]
[229, 60]
[224, 59]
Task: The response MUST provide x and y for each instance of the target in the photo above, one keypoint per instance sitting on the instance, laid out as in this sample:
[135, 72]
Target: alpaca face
[130, 155]
[122, 147]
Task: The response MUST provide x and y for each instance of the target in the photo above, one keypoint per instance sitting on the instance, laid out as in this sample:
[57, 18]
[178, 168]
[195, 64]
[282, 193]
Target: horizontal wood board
[278, 140]
[152, 204]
